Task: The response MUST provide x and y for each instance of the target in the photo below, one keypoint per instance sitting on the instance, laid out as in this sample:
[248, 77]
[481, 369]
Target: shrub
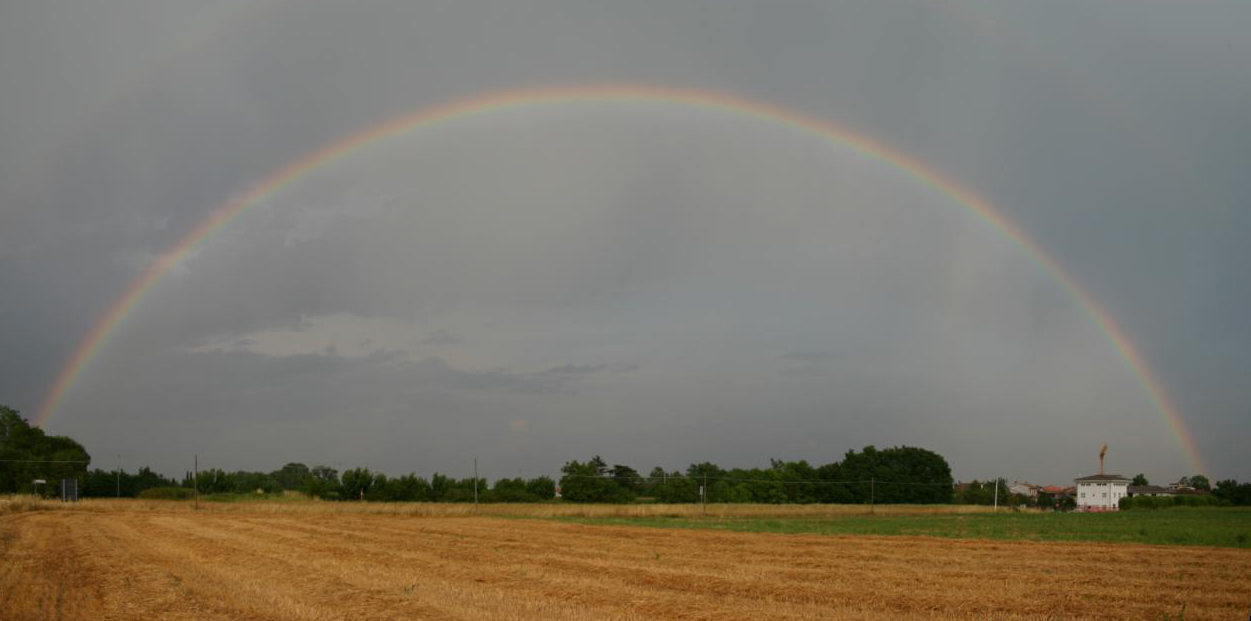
[1166, 502]
[1196, 501]
[167, 493]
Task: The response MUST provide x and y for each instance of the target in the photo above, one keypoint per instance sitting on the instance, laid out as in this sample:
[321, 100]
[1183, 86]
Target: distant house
[1181, 486]
[1057, 494]
[1150, 490]
[1101, 492]
[1026, 489]
[1059, 490]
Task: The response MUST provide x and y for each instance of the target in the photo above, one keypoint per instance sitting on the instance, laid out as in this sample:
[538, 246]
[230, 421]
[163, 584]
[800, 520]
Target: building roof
[1188, 491]
[1149, 489]
[1056, 489]
[1103, 477]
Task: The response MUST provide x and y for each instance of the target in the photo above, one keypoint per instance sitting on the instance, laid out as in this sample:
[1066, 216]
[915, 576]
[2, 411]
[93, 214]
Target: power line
[43, 461]
[741, 480]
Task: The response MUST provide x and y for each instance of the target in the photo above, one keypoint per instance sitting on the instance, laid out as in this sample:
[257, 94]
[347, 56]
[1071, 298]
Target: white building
[1150, 490]
[1026, 489]
[1101, 492]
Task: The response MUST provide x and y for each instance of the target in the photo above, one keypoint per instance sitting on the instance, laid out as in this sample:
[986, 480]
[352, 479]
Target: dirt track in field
[180, 565]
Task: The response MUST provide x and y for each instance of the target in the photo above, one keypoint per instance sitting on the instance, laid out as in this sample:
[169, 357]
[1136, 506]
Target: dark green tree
[107, 483]
[591, 482]
[982, 492]
[356, 483]
[542, 487]
[381, 489]
[899, 475]
[1233, 492]
[441, 487]
[599, 465]
[30, 454]
[244, 482]
[674, 487]
[323, 482]
[411, 488]
[293, 476]
[627, 477]
[511, 490]
[1140, 480]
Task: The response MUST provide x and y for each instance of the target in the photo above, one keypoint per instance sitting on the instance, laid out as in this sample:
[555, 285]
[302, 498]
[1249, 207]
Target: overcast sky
[655, 283]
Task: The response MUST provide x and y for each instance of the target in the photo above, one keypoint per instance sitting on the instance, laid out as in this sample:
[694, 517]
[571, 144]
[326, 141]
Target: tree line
[27, 454]
[363, 484]
[898, 475]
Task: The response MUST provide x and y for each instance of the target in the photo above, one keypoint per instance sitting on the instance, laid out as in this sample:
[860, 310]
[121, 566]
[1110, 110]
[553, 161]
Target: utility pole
[195, 480]
[703, 493]
[119, 475]
[996, 494]
[475, 485]
[872, 494]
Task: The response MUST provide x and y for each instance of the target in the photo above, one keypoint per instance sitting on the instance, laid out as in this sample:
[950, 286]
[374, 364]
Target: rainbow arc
[220, 217]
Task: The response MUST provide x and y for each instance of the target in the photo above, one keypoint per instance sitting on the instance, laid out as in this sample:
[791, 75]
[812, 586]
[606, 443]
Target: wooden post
[195, 480]
[872, 494]
[704, 493]
[475, 485]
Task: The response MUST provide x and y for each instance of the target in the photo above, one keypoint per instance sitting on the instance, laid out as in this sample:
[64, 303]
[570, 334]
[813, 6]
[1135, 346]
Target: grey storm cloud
[582, 369]
[671, 283]
[442, 337]
[811, 356]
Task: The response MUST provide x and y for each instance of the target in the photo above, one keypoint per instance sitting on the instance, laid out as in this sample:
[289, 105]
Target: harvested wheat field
[239, 564]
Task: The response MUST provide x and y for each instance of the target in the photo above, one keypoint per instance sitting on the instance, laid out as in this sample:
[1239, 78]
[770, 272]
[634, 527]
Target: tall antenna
[1103, 451]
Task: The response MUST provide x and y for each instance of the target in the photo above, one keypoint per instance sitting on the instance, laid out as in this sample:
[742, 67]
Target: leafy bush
[167, 493]
[592, 482]
[1167, 502]
[31, 454]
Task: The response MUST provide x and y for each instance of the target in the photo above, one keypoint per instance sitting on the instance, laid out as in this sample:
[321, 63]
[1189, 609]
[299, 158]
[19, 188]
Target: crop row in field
[540, 510]
[118, 564]
[1226, 527]
[1181, 526]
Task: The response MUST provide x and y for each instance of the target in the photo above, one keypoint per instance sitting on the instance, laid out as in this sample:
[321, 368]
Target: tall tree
[30, 454]
[590, 482]
[356, 483]
[1233, 492]
[292, 476]
[626, 477]
[323, 482]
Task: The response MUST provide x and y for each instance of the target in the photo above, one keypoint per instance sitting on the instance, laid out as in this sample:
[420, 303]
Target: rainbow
[107, 326]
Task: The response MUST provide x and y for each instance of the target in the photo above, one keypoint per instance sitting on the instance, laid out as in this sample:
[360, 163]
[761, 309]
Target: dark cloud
[677, 283]
[442, 338]
[583, 369]
[807, 356]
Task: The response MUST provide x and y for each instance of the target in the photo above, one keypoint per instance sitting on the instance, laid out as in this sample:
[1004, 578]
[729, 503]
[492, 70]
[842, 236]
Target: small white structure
[1026, 489]
[1150, 490]
[1101, 492]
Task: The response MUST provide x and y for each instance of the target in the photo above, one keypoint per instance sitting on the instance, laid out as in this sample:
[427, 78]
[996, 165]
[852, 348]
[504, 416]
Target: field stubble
[300, 505]
[124, 560]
